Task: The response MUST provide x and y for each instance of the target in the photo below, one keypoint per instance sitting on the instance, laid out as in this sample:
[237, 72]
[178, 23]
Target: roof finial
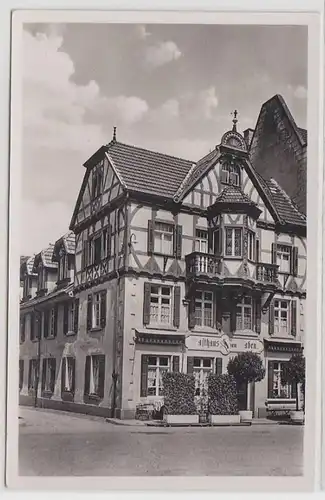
[234, 127]
[114, 134]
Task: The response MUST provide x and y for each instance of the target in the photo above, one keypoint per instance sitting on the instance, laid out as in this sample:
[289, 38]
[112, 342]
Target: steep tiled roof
[303, 133]
[284, 206]
[46, 257]
[233, 194]
[147, 171]
[69, 240]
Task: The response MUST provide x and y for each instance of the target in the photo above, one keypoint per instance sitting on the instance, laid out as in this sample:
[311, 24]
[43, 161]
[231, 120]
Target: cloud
[161, 54]
[126, 110]
[299, 92]
[141, 31]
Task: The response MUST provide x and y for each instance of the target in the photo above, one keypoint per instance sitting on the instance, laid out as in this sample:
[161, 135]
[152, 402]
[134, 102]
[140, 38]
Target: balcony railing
[199, 263]
[267, 273]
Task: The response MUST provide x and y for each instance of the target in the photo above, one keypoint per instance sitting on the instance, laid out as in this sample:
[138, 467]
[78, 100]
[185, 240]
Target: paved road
[61, 444]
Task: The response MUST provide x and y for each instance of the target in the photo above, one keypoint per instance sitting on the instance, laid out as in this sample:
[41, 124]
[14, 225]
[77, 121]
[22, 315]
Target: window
[68, 374]
[48, 375]
[204, 308]
[250, 245]
[97, 181]
[22, 328]
[244, 314]
[201, 369]
[63, 267]
[281, 317]
[21, 374]
[233, 242]
[26, 286]
[41, 278]
[163, 238]
[157, 365]
[97, 250]
[96, 310]
[283, 254]
[279, 389]
[160, 304]
[95, 376]
[33, 374]
[35, 325]
[230, 174]
[52, 323]
[201, 241]
[71, 317]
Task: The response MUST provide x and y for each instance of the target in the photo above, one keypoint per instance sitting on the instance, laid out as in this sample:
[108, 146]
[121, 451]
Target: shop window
[157, 365]
[233, 241]
[278, 388]
[201, 369]
[204, 308]
[244, 314]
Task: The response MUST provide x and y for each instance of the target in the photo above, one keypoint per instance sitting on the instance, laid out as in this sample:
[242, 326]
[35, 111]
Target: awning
[158, 338]
[279, 345]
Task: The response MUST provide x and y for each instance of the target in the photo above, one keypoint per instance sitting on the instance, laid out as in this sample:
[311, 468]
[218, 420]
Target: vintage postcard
[166, 188]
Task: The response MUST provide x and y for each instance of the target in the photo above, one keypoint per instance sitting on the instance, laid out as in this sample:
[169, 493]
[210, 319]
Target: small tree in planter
[178, 392]
[294, 373]
[222, 394]
[246, 367]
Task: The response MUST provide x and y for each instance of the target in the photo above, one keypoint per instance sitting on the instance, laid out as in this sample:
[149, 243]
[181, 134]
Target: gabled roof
[68, 241]
[27, 265]
[233, 194]
[45, 256]
[285, 207]
[147, 171]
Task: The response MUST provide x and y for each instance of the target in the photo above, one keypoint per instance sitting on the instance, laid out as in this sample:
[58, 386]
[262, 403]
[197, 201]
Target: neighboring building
[278, 149]
[178, 266]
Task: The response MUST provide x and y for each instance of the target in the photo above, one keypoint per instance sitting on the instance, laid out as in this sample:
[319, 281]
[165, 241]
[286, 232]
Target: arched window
[230, 174]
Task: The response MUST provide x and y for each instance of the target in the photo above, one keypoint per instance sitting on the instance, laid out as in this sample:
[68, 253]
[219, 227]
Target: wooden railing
[267, 273]
[199, 263]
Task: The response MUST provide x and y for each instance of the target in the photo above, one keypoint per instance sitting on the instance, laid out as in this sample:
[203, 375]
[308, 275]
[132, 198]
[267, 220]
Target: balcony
[266, 273]
[199, 263]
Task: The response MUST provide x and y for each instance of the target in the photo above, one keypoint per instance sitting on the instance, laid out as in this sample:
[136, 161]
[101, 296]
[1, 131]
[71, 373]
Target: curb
[163, 424]
[123, 422]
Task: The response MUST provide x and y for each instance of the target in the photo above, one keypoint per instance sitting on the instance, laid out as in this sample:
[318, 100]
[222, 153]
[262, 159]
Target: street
[61, 444]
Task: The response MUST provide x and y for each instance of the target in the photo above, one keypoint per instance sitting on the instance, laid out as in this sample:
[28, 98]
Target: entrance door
[242, 396]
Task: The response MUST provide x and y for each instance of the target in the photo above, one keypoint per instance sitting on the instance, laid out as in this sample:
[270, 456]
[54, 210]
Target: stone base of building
[125, 414]
[70, 406]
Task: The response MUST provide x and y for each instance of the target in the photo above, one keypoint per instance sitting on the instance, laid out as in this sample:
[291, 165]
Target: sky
[169, 88]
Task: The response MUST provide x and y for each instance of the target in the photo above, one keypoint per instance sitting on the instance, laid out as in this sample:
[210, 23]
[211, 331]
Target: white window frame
[68, 381]
[157, 315]
[163, 236]
[251, 245]
[157, 368]
[284, 264]
[279, 308]
[201, 374]
[96, 310]
[228, 171]
[246, 304]
[201, 299]
[94, 375]
[280, 390]
[201, 240]
[47, 382]
[232, 230]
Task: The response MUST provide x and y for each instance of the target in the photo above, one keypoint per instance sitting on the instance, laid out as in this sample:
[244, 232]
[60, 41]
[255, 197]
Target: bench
[144, 411]
[280, 406]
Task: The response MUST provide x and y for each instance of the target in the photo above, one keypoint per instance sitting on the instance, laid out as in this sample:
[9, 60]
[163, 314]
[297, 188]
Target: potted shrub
[246, 367]
[178, 392]
[294, 373]
[222, 400]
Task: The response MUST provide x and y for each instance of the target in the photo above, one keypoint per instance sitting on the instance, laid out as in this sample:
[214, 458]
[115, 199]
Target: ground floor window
[201, 369]
[48, 374]
[21, 373]
[68, 374]
[95, 375]
[157, 365]
[33, 374]
[278, 388]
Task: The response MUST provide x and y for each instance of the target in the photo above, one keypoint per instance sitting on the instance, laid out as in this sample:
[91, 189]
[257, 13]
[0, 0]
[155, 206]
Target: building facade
[177, 266]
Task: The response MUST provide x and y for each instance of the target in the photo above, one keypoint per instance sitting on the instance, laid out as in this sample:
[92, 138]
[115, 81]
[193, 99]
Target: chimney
[248, 136]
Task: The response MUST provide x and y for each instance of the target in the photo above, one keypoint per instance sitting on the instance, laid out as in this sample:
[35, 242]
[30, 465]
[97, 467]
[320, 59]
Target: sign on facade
[223, 344]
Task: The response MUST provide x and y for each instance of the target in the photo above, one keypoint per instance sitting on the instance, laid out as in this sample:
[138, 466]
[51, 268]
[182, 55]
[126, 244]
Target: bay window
[233, 241]
[244, 314]
[204, 308]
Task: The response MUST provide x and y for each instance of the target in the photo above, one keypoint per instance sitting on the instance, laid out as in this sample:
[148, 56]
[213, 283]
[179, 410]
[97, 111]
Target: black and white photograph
[163, 322]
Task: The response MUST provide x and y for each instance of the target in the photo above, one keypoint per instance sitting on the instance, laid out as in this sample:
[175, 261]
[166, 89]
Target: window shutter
[38, 324]
[294, 261]
[144, 376]
[44, 363]
[76, 315]
[150, 237]
[273, 253]
[89, 312]
[101, 375]
[103, 300]
[63, 368]
[65, 317]
[175, 363]
[177, 305]
[46, 323]
[73, 369]
[178, 233]
[271, 318]
[52, 373]
[258, 314]
[257, 250]
[190, 365]
[270, 368]
[293, 318]
[87, 376]
[56, 309]
[219, 366]
[146, 303]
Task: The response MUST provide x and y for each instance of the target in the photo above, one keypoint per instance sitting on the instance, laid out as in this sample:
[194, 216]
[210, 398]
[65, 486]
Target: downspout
[38, 356]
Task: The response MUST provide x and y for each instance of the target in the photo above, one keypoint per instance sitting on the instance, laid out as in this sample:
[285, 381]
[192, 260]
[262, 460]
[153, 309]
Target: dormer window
[41, 278]
[97, 182]
[26, 286]
[230, 174]
[63, 267]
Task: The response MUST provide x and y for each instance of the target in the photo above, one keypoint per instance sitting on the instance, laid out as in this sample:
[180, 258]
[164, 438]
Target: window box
[224, 419]
[181, 419]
